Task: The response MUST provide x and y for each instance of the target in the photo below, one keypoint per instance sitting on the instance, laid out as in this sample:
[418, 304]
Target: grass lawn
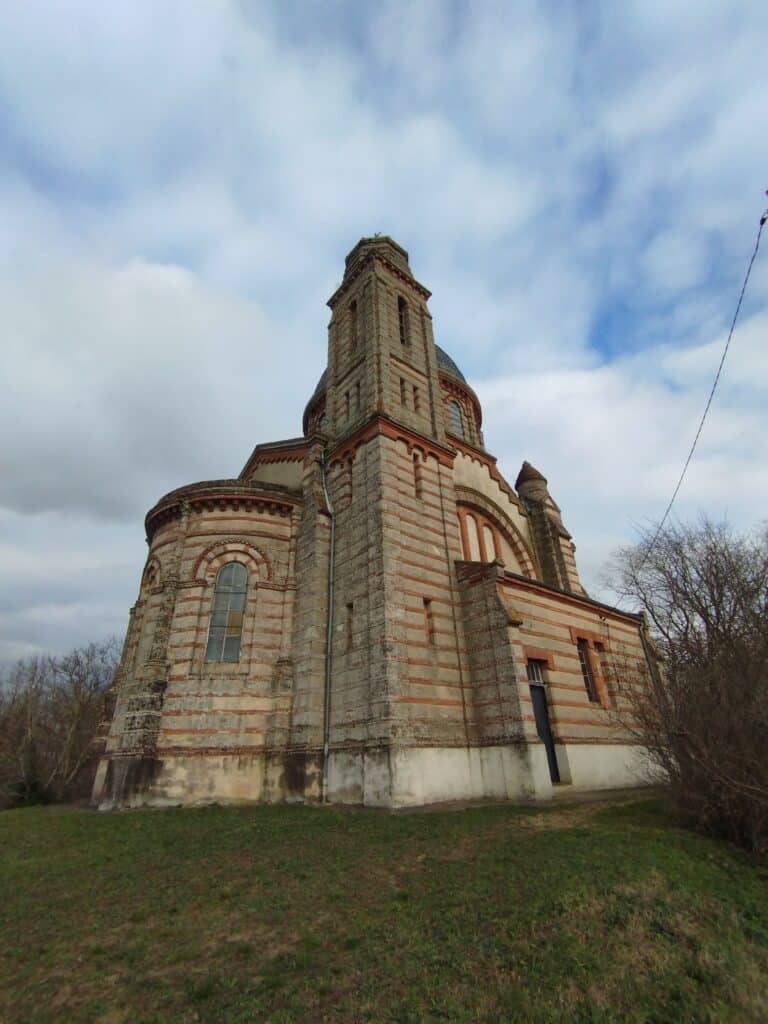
[577, 913]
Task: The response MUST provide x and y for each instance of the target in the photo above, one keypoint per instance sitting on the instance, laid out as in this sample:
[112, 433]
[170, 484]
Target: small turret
[531, 484]
[553, 543]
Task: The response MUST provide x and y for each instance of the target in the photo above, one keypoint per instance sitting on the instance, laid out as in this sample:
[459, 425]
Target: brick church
[369, 613]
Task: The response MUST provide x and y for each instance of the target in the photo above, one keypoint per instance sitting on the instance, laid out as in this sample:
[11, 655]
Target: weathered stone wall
[360, 719]
[551, 623]
[172, 703]
[495, 697]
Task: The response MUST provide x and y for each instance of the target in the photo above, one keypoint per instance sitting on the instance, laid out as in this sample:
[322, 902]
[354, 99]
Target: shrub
[703, 716]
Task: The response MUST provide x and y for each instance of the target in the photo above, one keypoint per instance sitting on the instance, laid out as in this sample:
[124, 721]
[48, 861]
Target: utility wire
[650, 547]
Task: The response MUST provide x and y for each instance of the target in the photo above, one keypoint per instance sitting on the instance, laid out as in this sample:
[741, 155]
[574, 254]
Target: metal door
[541, 713]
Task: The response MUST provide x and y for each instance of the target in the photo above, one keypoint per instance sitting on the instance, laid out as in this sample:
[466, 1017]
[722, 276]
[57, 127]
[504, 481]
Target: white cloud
[181, 182]
[130, 380]
[612, 440]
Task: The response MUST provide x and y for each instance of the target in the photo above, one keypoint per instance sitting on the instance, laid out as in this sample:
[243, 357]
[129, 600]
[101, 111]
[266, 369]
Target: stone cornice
[210, 494]
[375, 257]
[381, 425]
[578, 599]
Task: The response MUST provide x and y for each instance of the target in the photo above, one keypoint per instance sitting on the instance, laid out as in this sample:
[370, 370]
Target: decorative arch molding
[453, 389]
[231, 549]
[469, 498]
[153, 572]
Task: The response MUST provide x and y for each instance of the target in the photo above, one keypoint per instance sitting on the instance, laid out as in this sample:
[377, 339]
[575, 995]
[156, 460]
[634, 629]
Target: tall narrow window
[352, 326]
[416, 399]
[429, 621]
[457, 423]
[473, 540]
[402, 391]
[357, 395]
[402, 319]
[226, 628]
[350, 479]
[586, 670]
[346, 403]
[350, 624]
[417, 477]
[489, 543]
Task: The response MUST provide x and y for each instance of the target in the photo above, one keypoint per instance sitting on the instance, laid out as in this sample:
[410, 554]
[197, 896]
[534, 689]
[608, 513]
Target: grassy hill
[579, 913]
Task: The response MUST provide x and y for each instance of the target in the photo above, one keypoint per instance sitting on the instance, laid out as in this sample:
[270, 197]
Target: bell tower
[394, 655]
[381, 351]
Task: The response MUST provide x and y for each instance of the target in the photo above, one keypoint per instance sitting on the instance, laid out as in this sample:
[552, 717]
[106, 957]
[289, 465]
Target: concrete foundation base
[592, 766]
[209, 778]
[411, 777]
[379, 777]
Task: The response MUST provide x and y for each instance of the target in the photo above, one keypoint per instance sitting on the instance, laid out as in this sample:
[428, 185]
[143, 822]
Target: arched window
[457, 423]
[489, 543]
[479, 537]
[226, 629]
[473, 539]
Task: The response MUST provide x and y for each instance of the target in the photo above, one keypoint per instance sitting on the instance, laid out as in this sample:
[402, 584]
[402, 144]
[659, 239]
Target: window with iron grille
[586, 670]
[534, 672]
[226, 628]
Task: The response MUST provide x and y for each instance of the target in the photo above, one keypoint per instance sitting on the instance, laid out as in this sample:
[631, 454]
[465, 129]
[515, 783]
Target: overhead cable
[687, 463]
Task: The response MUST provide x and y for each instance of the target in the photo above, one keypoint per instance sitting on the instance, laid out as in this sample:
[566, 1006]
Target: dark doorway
[541, 714]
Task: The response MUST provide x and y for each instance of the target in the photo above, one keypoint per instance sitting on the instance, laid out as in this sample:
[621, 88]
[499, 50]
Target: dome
[444, 363]
[447, 365]
[320, 384]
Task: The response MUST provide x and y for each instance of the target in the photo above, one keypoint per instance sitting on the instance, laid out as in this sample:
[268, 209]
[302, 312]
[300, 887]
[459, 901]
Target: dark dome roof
[444, 362]
[320, 384]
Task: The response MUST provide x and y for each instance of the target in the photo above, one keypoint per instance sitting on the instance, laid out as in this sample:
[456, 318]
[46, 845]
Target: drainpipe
[329, 631]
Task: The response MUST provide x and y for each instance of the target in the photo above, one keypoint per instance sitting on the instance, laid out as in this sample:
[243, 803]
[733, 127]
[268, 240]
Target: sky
[578, 183]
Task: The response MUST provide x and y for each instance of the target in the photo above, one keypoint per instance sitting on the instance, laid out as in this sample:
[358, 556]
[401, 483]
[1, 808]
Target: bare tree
[703, 715]
[52, 715]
